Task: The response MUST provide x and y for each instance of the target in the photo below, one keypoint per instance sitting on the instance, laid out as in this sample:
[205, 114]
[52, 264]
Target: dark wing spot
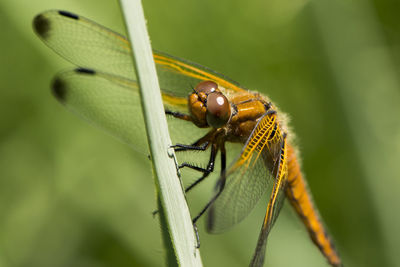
[59, 89]
[68, 14]
[41, 25]
[85, 71]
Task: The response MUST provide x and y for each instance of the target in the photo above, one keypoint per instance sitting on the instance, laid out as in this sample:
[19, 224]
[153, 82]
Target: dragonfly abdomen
[298, 194]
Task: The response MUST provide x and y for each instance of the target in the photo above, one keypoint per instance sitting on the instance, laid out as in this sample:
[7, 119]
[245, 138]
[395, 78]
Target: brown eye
[206, 87]
[218, 110]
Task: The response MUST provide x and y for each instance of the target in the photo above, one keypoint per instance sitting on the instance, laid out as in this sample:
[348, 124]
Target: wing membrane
[273, 209]
[182, 75]
[90, 45]
[105, 100]
[85, 43]
[112, 103]
[249, 177]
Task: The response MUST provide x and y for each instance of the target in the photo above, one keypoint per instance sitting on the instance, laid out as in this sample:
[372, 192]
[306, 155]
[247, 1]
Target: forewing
[181, 76]
[90, 45]
[249, 177]
[85, 43]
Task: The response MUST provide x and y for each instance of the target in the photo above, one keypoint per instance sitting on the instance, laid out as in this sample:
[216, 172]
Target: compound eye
[218, 110]
[206, 87]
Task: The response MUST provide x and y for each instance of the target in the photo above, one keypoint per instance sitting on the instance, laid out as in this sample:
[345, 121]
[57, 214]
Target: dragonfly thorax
[208, 106]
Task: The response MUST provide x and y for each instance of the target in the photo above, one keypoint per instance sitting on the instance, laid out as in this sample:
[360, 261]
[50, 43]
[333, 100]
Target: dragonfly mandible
[103, 89]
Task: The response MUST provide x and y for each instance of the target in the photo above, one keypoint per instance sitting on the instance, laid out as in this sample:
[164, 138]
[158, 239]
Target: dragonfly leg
[182, 147]
[200, 145]
[221, 184]
[196, 231]
[206, 171]
[178, 115]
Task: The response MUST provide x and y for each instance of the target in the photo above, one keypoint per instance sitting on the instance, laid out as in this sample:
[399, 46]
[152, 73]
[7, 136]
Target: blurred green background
[71, 195]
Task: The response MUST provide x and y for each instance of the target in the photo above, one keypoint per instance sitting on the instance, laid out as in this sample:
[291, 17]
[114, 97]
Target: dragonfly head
[208, 106]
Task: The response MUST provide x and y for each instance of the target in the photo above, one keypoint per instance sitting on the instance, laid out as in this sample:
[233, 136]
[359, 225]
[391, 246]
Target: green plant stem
[168, 184]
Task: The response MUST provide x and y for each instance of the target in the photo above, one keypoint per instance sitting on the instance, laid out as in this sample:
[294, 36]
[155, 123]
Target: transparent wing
[106, 100]
[179, 76]
[249, 177]
[90, 45]
[85, 43]
[112, 103]
[274, 206]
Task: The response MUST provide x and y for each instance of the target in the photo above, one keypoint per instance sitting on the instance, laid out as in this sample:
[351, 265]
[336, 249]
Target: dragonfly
[103, 89]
